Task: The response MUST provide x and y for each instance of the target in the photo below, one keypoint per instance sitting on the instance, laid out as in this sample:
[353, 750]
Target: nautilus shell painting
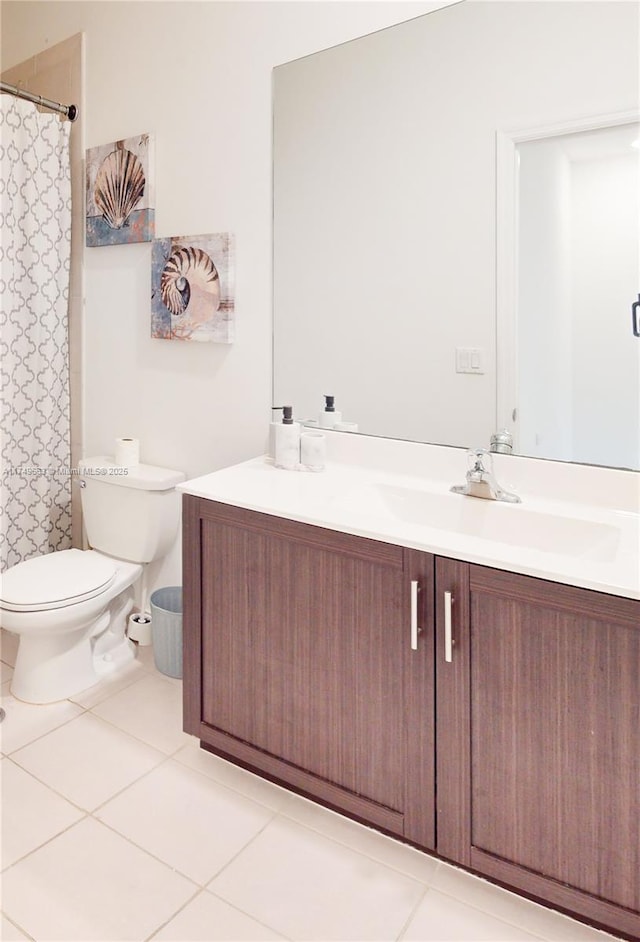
[120, 198]
[192, 288]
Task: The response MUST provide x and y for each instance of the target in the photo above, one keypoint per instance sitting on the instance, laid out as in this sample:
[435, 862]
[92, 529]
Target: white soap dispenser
[329, 416]
[274, 425]
[287, 452]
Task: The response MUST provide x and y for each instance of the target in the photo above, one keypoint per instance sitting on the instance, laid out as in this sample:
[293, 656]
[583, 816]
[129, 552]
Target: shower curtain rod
[69, 111]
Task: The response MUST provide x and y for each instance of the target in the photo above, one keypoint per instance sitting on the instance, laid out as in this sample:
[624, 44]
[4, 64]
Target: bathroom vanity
[459, 674]
[462, 674]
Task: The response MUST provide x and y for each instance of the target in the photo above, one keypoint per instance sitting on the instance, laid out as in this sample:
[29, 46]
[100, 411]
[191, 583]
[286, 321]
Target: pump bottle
[274, 425]
[328, 417]
[287, 451]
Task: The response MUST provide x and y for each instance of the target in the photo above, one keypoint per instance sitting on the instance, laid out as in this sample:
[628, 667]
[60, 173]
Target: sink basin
[487, 520]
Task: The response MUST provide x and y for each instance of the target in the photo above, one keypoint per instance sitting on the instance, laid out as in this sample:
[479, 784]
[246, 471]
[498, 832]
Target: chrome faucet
[481, 481]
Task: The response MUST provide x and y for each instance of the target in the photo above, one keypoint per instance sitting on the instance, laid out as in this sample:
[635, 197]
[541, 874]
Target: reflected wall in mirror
[400, 260]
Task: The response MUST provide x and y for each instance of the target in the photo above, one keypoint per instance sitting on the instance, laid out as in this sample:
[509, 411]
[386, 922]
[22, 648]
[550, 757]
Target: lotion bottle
[274, 425]
[287, 441]
[329, 416]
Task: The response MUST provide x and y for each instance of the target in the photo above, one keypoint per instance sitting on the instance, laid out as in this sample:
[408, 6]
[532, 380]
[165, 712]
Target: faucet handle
[481, 481]
[480, 460]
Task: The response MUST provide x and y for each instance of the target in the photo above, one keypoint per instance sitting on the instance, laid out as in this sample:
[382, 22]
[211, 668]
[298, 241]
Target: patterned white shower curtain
[35, 239]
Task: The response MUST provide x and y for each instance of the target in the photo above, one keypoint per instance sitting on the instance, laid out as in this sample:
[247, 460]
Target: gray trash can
[166, 629]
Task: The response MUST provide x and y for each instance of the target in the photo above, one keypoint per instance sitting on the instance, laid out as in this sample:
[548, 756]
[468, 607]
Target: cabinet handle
[448, 636]
[415, 588]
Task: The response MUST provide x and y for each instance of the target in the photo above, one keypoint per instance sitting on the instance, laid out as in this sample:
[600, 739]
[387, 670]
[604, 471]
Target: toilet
[70, 608]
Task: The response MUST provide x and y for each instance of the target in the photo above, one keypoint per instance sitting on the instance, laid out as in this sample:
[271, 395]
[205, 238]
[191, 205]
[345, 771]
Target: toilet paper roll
[127, 452]
[313, 450]
[139, 628]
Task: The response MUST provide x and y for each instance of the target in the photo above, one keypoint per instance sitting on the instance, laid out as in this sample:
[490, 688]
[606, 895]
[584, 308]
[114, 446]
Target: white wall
[198, 77]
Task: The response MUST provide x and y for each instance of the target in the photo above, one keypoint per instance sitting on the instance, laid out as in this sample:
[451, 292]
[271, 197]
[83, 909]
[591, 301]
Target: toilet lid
[55, 580]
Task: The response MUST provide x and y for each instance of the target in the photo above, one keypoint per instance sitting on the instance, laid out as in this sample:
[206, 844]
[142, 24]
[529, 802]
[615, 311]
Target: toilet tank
[130, 513]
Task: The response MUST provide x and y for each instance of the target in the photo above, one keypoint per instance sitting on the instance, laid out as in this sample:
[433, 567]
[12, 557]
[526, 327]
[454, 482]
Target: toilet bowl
[70, 608]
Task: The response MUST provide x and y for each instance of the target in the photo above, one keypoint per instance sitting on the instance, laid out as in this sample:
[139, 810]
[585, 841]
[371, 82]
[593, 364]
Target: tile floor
[116, 826]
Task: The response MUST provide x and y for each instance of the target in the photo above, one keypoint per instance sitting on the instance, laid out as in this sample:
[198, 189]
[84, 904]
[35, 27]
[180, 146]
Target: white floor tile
[307, 874]
[26, 722]
[513, 909]
[149, 709]
[441, 918]
[185, 819]
[9, 932]
[88, 760]
[309, 887]
[365, 840]
[31, 813]
[209, 919]
[91, 886]
[8, 647]
[110, 684]
[232, 776]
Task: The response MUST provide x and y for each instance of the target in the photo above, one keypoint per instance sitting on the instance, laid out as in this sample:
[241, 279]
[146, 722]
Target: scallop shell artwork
[119, 186]
[192, 288]
[120, 192]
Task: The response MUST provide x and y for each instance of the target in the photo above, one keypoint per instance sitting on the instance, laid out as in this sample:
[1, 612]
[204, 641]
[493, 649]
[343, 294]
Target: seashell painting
[192, 288]
[119, 186]
[120, 196]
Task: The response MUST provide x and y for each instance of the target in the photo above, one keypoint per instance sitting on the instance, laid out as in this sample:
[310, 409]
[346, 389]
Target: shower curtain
[35, 240]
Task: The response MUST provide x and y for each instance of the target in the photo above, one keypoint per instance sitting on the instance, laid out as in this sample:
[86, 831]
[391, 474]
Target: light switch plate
[469, 360]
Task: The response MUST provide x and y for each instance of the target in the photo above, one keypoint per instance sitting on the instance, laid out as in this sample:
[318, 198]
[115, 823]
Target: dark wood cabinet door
[541, 775]
[306, 662]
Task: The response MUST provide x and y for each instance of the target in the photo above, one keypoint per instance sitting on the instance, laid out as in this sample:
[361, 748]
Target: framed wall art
[120, 192]
[193, 288]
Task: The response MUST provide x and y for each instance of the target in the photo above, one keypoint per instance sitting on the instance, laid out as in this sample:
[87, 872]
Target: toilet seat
[56, 580]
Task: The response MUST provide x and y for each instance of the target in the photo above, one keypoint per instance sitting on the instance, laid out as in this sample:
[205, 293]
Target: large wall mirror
[456, 245]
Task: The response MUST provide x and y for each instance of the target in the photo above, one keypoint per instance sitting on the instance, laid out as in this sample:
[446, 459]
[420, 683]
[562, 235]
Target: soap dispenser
[274, 425]
[287, 450]
[329, 416]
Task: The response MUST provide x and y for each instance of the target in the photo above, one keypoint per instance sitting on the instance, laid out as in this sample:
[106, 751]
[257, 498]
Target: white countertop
[556, 533]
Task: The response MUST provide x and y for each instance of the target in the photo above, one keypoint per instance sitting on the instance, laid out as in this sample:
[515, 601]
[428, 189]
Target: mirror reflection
[455, 229]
